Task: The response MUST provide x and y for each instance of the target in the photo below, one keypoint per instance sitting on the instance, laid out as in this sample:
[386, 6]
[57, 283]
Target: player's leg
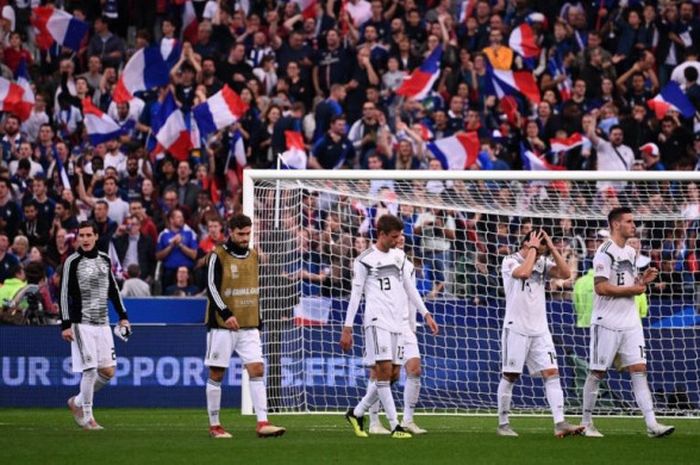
[542, 359]
[217, 358]
[514, 348]
[632, 357]
[375, 424]
[603, 347]
[87, 339]
[249, 348]
[411, 393]
[355, 416]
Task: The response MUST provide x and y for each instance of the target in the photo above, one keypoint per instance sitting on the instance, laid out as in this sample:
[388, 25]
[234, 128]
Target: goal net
[459, 226]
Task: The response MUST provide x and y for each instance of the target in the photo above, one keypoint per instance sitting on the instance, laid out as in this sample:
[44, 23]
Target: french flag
[672, 97]
[100, 127]
[556, 70]
[506, 82]
[220, 110]
[295, 156]
[11, 95]
[23, 109]
[175, 137]
[57, 26]
[524, 42]
[146, 69]
[307, 8]
[189, 23]
[564, 144]
[456, 152]
[418, 84]
[533, 162]
[466, 8]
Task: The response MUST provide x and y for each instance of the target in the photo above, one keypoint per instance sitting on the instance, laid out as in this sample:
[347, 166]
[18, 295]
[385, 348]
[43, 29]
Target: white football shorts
[381, 346]
[221, 343]
[92, 347]
[606, 344]
[535, 351]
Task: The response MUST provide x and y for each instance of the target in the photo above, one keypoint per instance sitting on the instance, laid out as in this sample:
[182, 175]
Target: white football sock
[87, 391]
[590, 396]
[374, 413]
[505, 395]
[213, 401]
[367, 401]
[259, 396]
[100, 382]
[555, 398]
[387, 400]
[411, 391]
[642, 395]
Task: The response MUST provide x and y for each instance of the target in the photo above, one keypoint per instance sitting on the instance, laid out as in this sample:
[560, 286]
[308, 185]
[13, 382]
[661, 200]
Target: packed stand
[118, 118]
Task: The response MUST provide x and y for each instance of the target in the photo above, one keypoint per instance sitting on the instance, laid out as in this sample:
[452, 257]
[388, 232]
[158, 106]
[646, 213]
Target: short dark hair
[240, 221]
[133, 270]
[15, 270]
[616, 126]
[389, 223]
[616, 213]
[527, 237]
[34, 272]
[690, 74]
[88, 224]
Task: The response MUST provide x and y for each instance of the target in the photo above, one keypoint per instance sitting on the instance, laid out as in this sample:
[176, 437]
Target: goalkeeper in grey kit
[87, 282]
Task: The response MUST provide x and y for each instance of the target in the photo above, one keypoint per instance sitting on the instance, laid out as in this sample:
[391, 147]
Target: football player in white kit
[616, 329]
[526, 337]
[409, 356]
[380, 274]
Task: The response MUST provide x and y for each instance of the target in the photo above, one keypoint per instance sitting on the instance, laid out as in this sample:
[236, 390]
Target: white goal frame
[252, 175]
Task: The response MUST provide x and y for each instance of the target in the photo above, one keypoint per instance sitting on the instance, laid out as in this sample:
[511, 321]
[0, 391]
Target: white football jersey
[410, 323]
[526, 311]
[617, 265]
[380, 277]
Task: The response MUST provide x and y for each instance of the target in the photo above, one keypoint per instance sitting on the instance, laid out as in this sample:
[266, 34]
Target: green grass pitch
[179, 436]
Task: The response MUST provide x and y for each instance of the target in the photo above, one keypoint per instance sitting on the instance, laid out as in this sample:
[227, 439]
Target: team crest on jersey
[215, 356]
[234, 271]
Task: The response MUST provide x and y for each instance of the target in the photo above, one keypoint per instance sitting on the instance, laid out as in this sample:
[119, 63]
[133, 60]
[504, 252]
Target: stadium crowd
[331, 72]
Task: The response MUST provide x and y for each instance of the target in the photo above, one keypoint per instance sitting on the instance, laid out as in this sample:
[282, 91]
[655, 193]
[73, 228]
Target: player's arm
[214, 273]
[69, 284]
[560, 269]
[602, 265]
[359, 276]
[524, 271]
[116, 298]
[409, 285]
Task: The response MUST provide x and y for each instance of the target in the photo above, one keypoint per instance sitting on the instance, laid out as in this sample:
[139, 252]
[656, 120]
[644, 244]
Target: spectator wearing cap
[651, 156]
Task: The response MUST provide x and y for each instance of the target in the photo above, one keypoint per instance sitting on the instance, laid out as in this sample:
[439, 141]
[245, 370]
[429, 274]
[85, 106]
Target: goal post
[308, 226]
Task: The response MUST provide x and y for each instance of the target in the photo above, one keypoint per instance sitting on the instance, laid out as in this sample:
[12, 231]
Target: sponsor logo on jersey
[231, 292]
[234, 271]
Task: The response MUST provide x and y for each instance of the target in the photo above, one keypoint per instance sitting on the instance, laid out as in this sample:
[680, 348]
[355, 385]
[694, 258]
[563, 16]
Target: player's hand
[125, 323]
[650, 275]
[346, 339]
[430, 321]
[536, 239]
[232, 323]
[67, 334]
[547, 240]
